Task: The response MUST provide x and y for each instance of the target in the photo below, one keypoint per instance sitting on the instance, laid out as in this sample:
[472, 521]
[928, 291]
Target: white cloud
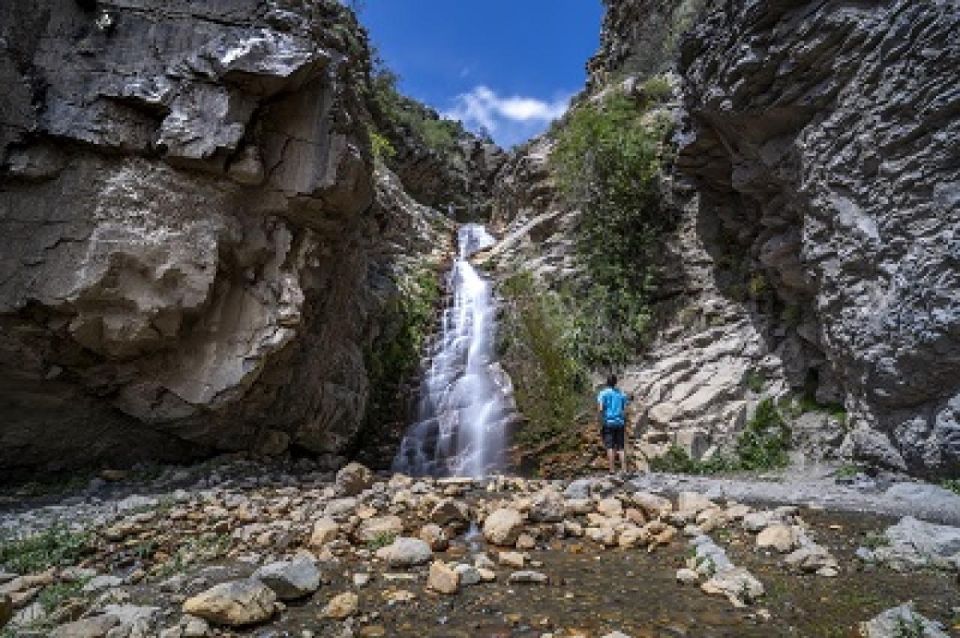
[508, 119]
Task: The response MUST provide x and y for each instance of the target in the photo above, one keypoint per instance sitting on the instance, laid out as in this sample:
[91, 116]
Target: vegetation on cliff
[608, 157]
[393, 357]
[550, 382]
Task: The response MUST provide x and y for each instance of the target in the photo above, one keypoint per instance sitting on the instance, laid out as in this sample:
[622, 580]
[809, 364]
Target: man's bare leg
[623, 460]
[610, 459]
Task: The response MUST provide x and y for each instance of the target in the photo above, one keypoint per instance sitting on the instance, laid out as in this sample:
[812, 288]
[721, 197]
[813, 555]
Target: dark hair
[612, 380]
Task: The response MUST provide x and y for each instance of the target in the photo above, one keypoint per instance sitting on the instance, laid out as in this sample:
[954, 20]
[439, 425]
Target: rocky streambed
[238, 548]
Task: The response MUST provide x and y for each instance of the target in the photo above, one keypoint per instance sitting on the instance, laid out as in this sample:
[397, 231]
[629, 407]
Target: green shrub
[382, 148]
[52, 597]
[755, 381]
[607, 160]
[57, 546]
[762, 445]
[423, 123]
[677, 461]
[757, 286]
[874, 540]
[657, 88]
[764, 442]
[951, 484]
[393, 357]
[549, 383]
[382, 540]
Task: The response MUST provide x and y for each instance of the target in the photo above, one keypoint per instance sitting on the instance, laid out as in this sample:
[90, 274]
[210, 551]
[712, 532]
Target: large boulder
[353, 479]
[913, 543]
[290, 580]
[891, 624]
[95, 627]
[547, 506]
[503, 526]
[234, 603]
[378, 528]
[406, 552]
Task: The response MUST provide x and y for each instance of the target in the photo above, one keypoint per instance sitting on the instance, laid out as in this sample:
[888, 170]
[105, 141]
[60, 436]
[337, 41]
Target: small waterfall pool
[464, 404]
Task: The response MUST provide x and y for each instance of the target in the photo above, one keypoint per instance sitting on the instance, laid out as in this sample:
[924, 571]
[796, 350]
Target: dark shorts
[613, 438]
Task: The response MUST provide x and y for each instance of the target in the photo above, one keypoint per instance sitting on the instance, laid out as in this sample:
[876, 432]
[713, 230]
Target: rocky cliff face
[815, 252]
[188, 237]
[821, 137]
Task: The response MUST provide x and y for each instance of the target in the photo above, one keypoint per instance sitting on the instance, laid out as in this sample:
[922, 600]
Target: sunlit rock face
[186, 230]
[824, 139]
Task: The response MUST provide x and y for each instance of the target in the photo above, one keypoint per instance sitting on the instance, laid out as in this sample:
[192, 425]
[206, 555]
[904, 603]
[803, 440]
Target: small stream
[463, 405]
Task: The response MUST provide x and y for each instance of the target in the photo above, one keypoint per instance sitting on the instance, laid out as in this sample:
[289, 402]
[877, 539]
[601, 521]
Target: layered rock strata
[821, 138]
[185, 202]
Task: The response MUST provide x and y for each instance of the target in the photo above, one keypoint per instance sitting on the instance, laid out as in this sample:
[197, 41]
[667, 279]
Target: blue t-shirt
[613, 402]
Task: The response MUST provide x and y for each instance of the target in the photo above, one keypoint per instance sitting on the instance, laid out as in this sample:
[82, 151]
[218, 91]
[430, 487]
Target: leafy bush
[394, 356]
[607, 159]
[951, 484]
[762, 445]
[423, 123]
[57, 546]
[549, 382]
[382, 148]
[764, 442]
[657, 88]
[755, 381]
[677, 461]
[383, 539]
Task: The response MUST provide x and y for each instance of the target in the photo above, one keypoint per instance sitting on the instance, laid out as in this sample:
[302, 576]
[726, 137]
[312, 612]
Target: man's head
[612, 381]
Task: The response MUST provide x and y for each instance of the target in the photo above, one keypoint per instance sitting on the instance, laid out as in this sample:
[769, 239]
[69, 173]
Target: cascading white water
[463, 408]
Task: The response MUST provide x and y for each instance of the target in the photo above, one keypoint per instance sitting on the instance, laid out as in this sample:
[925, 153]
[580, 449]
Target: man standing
[612, 413]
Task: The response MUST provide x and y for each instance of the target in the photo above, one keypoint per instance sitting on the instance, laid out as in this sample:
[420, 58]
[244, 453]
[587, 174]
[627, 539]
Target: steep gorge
[201, 253]
[812, 256]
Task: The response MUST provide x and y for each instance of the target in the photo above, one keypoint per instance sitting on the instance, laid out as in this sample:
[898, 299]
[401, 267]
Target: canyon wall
[814, 257]
[192, 259]
[822, 136]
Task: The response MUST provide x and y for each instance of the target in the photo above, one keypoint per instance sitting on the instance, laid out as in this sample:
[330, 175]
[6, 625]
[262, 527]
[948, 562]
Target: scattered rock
[547, 506]
[234, 603]
[913, 543]
[379, 527]
[528, 576]
[96, 627]
[324, 531]
[442, 578]
[342, 606]
[353, 479]
[902, 621]
[434, 536]
[406, 552]
[451, 512]
[687, 576]
[783, 538]
[469, 575]
[512, 559]
[100, 583]
[737, 584]
[290, 580]
[503, 526]
[693, 502]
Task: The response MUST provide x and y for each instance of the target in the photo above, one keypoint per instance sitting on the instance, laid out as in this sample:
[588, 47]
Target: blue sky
[509, 66]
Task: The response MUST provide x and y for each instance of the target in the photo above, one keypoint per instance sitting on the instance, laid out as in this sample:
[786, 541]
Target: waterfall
[465, 397]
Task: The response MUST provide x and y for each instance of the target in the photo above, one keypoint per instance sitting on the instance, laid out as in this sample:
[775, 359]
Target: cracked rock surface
[185, 205]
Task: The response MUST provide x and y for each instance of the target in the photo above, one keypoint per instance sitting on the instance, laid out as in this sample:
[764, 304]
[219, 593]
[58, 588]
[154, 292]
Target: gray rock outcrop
[820, 139]
[188, 237]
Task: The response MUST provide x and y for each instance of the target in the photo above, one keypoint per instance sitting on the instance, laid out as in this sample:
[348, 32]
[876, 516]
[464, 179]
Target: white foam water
[463, 408]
